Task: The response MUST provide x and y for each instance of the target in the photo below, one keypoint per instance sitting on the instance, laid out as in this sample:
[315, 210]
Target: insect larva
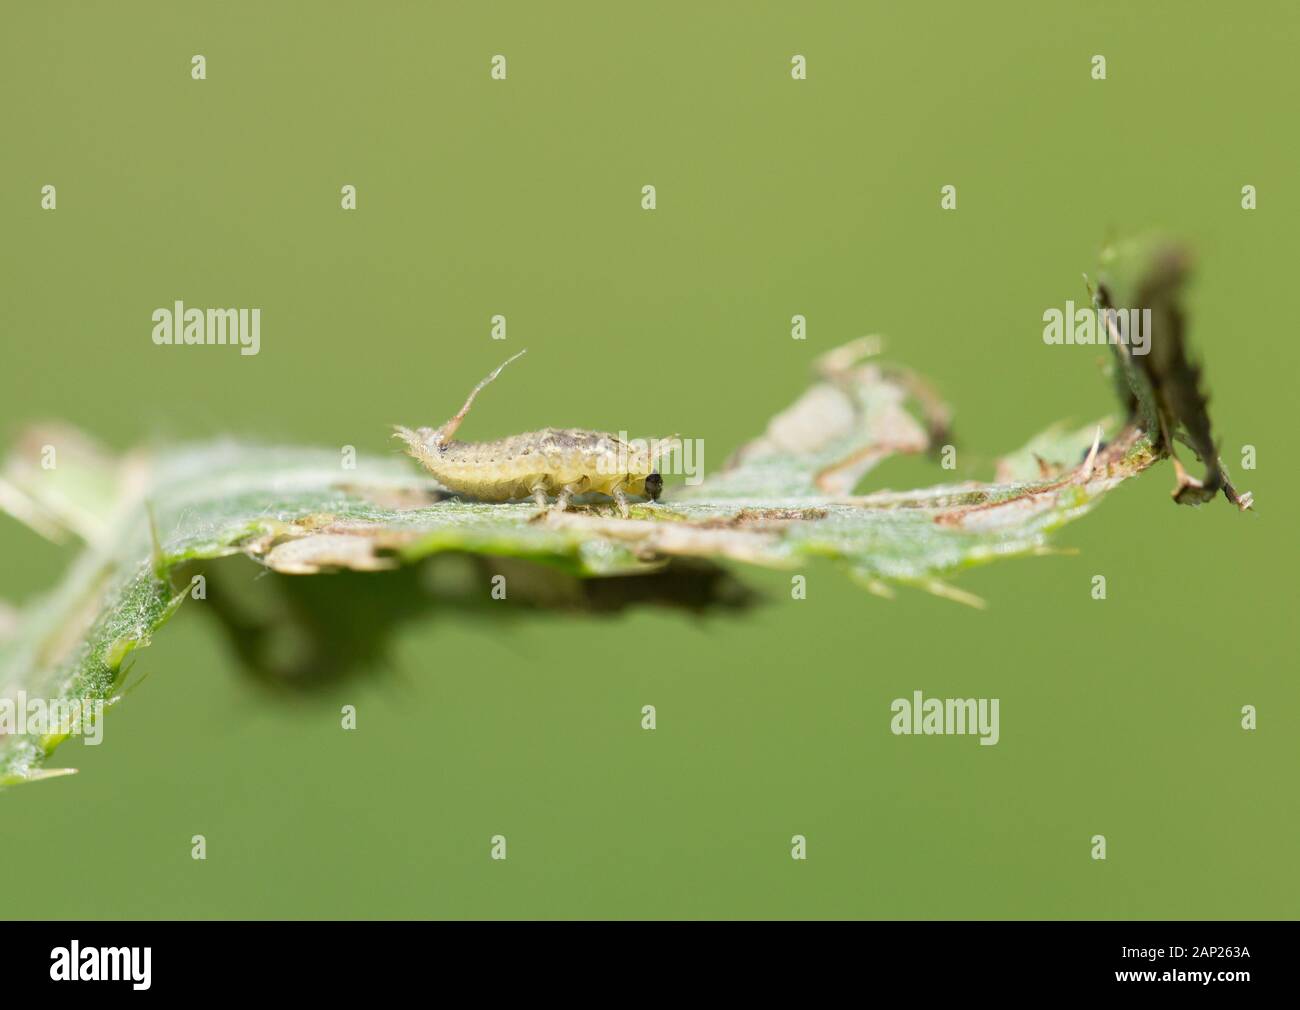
[559, 462]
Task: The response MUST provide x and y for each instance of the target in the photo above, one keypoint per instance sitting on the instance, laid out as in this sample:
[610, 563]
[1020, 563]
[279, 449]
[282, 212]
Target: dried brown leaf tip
[1162, 388]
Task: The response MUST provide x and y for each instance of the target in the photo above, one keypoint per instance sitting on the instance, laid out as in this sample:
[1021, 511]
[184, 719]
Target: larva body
[553, 462]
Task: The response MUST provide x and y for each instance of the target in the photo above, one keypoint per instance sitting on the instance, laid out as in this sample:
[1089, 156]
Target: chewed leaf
[823, 443]
[149, 522]
[60, 483]
[1051, 453]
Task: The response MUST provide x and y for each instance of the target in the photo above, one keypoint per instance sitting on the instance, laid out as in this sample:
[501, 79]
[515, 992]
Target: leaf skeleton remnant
[148, 520]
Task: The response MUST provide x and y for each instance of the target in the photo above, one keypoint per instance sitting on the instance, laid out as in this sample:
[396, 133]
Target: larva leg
[538, 491]
[620, 498]
[568, 491]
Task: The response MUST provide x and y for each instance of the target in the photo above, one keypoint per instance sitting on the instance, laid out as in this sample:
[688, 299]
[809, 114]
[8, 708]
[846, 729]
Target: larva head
[643, 465]
[641, 485]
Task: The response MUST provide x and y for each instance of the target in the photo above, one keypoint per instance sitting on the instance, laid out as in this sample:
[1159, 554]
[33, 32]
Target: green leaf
[150, 521]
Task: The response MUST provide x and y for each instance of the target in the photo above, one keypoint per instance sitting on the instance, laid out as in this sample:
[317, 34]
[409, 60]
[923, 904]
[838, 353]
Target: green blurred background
[775, 197]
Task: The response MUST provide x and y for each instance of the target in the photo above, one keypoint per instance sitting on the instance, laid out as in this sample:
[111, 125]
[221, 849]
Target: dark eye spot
[654, 486]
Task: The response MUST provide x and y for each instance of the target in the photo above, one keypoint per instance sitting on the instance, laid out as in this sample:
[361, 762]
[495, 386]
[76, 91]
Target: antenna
[447, 430]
